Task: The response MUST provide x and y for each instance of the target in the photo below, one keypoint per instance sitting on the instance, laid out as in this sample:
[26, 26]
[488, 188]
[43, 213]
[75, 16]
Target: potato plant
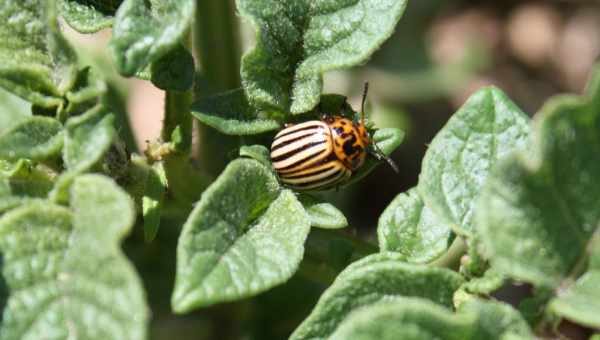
[501, 201]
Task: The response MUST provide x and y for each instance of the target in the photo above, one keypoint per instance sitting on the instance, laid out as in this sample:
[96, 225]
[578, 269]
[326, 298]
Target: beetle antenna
[364, 99]
[382, 157]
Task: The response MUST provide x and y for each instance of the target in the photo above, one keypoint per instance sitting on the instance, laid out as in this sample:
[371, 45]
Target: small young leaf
[409, 227]
[13, 110]
[297, 42]
[539, 208]
[64, 272]
[34, 138]
[371, 280]
[231, 114]
[87, 16]
[323, 215]
[387, 140]
[174, 70]
[144, 32]
[257, 152]
[245, 236]
[580, 303]
[87, 139]
[154, 192]
[36, 62]
[22, 182]
[407, 319]
[485, 129]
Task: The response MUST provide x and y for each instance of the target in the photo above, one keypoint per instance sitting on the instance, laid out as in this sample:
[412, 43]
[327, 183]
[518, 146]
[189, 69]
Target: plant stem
[452, 257]
[217, 48]
[178, 120]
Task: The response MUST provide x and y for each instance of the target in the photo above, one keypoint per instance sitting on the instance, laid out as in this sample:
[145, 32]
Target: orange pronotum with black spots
[319, 154]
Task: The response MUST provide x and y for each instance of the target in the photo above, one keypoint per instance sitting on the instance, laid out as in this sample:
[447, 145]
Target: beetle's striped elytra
[322, 154]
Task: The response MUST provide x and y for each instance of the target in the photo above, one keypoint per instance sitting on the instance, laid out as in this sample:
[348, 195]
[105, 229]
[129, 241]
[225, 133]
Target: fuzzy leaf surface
[231, 114]
[539, 208]
[244, 236]
[51, 258]
[487, 128]
[409, 227]
[370, 280]
[300, 40]
[89, 16]
[34, 138]
[146, 31]
[36, 62]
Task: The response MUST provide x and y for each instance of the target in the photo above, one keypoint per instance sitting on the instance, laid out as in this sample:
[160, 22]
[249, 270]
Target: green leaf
[373, 279]
[230, 113]
[409, 227]
[34, 138]
[22, 182]
[13, 110]
[297, 42]
[322, 214]
[36, 62]
[387, 140]
[407, 319]
[64, 272]
[416, 318]
[580, 303]
[496, 320]
[87, 139]
[539, 208]
[89, 16]
[485, 285]
[155, 188]
[174, 70]
[257, 152]
[245, 236]
[146, 31]
[458, 161]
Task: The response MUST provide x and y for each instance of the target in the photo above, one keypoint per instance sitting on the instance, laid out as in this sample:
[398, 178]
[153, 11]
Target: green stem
[177, 124]
[217, 48]
[216, 44]
[451, 259]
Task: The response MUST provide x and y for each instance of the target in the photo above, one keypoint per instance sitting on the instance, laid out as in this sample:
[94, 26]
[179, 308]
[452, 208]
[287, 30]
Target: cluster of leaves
[523, 199]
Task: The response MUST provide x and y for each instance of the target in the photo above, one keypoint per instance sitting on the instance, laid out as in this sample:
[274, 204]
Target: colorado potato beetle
[323, 154]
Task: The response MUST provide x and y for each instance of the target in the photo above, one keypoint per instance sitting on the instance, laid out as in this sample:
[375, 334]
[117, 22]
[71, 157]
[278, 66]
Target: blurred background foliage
[441, 53]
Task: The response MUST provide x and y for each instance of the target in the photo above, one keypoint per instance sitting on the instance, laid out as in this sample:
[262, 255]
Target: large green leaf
[540, 207]
[63, 271]
[496, 320]
[407, 319]
[36, 62]
[89, 16]
[373, 279]
[34, 138]
[409, 227]
[245, 236]
[298, 41]
[420, 319]
[580, 303]
[458, 161]
[13, 110]
[231, 114]
[146, 31]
